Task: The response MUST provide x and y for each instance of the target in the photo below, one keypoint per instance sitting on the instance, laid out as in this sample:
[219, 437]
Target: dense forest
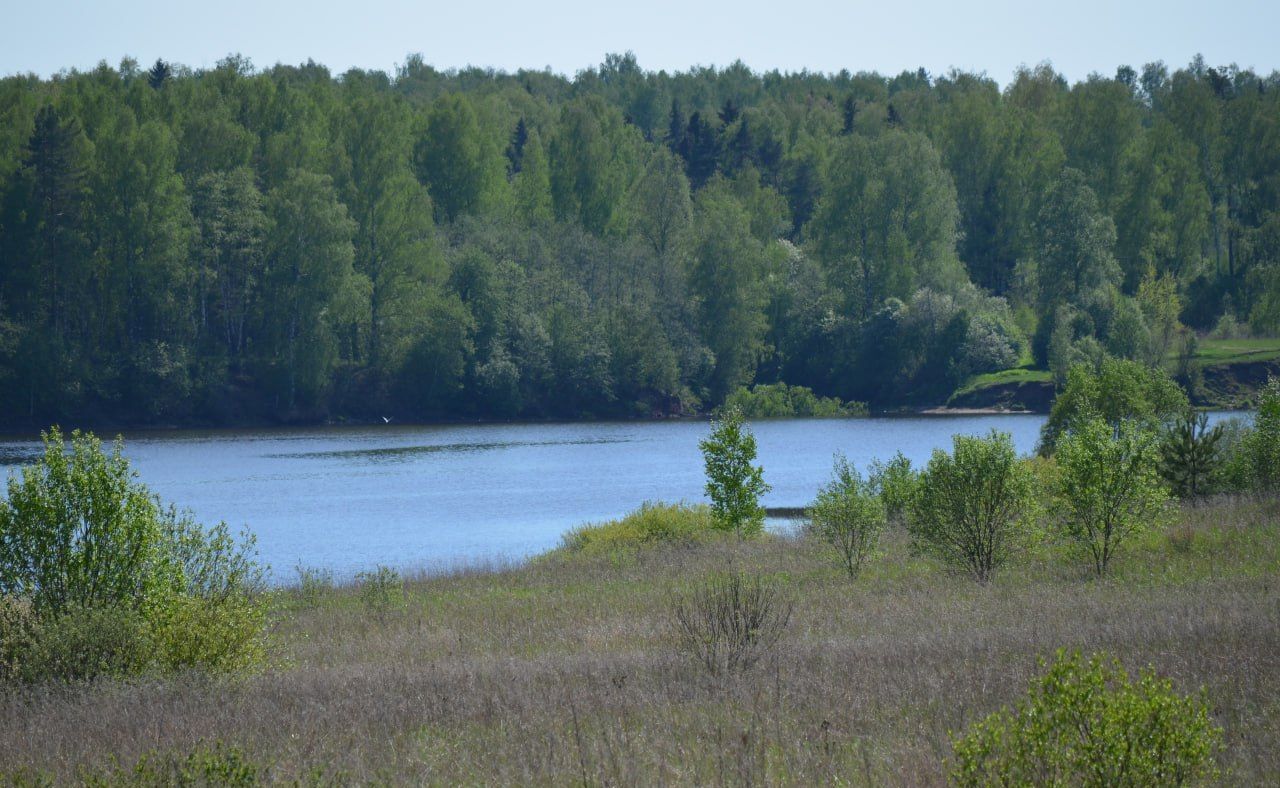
[238, 244]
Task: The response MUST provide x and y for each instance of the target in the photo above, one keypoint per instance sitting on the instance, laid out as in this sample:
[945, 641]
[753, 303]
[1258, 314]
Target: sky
[1078, 37]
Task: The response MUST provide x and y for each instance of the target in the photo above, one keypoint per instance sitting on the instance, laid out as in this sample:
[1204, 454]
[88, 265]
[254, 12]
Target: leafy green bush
[1261, 447]
[1086, 723]
[778, 400]
[86, 643]
[219, 764]
[897, 484]
[734, 485]
[193, 632]
[18, 625]
[1108, 487]
[848, 515]
[652, 523]
[974, 507]
[381, 590]
[313, 585]
[731, 621]
[103, 562]
[77, 531]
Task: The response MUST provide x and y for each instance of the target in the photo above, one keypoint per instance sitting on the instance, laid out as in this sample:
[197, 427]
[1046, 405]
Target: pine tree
[1189, 455]
[159, 74]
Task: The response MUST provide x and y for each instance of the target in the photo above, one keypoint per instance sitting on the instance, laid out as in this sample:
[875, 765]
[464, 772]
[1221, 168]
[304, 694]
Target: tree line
[237, 243]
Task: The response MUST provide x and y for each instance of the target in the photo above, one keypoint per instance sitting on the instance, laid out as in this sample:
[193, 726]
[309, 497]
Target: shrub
[848, 515]
[87, 643]
[974, 506]
[731, 621]
[313, 584]
[1190, 455]
[651, 524]
[77, 531]
[1261, 447]
[219, 765]
[224, 636]
[778, 400]
[102, 560]
[18, 627]
[734, 485]
[381, 590]
[897, 484]
[1086, 723]
[1108, 487]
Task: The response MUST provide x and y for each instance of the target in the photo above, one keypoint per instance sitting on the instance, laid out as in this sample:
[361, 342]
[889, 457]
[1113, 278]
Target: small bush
[18, 629]
[101, 560]
[381, 590]
[223, 636]
[848, 516]
[1086, 723]
[975, 506]
[1108, 488]
[651, 524]
[313, 585]
[88, 643]
[731, 621]
[220, 765]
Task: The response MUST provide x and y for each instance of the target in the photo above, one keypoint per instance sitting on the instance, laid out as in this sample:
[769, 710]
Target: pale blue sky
[1078, 36]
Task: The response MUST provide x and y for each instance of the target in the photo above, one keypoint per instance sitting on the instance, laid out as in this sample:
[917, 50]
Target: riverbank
[565, 670]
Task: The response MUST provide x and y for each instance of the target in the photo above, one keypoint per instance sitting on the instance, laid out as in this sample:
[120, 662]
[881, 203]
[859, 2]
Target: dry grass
[566, 669]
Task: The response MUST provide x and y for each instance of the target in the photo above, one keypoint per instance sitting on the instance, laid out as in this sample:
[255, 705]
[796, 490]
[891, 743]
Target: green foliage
[848, 515]
[734, 485]
[1109, 488]
[731, 621]
[18, 630]
[116, 582]
[1261, 446]
[87, 643]
[975, 506]
[1118, 390]
[651, 524]
[216, 765]
[235, 243]
[77, 531]
[381, 590]
[1087, 723]
[224, 636]
[778, 400]
[1190, 455]
[313, 584]
[897, 484]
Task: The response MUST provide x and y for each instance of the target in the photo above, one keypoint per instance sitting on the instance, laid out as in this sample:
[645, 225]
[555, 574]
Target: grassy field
[1233, 351]
[1026, 373]
[1210, 352]
[565, 670]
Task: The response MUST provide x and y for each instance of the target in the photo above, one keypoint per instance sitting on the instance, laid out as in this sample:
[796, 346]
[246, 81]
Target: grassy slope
[564, 670]
[1211, 352]
[1234, 351]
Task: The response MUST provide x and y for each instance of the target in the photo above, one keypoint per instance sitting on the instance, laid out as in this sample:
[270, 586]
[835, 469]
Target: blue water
[349, 498]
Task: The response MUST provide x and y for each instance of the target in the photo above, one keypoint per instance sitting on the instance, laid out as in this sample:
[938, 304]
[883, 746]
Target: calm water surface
[349, 498]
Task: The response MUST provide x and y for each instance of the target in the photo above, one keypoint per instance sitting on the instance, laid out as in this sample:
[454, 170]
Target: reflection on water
[405, 453]
[349, 498]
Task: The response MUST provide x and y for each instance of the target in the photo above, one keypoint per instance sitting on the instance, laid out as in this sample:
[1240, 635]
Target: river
[428, 497]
